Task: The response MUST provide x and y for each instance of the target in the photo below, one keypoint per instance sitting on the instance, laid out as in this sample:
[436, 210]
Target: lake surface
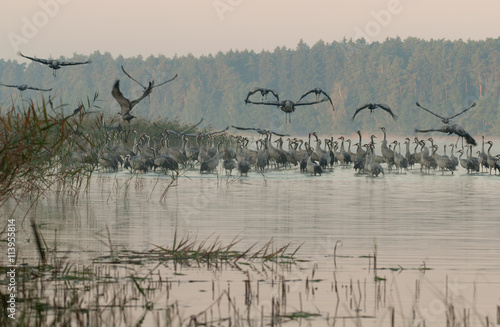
[448, 225]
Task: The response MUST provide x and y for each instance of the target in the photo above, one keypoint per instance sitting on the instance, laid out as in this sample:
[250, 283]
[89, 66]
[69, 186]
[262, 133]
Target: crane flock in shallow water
[316, 156]
[264, 152]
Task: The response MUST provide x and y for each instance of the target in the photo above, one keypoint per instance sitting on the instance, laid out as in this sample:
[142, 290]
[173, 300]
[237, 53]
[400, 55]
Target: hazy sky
[45, 28]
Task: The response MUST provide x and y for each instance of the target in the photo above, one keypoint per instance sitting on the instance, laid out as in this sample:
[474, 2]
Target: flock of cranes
[220, 151]
[313, 156]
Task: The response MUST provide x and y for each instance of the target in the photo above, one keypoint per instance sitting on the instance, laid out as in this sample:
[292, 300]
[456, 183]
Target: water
[449, 224]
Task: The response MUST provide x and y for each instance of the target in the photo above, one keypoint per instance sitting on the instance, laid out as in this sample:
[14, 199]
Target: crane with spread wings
[373, 106]
[53, 63]
[24, 87]
[125, 104]
[258, 130]
[451, 129]
[287, 106]
[446, 120]
[318, 93]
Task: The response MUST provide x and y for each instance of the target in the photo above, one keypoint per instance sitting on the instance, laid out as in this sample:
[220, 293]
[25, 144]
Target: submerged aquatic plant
[188, 251]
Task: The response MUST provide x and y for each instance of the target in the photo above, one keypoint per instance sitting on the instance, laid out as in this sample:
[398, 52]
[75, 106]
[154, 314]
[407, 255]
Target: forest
[442, 75]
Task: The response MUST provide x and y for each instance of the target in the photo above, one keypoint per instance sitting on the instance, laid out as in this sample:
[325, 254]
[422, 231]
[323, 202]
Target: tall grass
[32, 141]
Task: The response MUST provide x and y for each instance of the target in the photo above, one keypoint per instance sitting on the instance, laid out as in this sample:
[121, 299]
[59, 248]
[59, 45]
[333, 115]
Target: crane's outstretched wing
[440, 129]
[460, 131]
[8, 85]
[278, 134]
[43, 61]
[37, 89]
[212, 133]
[190, 128]
[310, 103]
[145, 94]
[258, 130]
[359, 109]
[268, 103]
[170, 80]
[72, 63]
[123, 69]
[183, 133]
[318, 91]
[453, 129]
[196, 135]
[469, 139]
[461, 112]
[124, 102]
[248, 128]
[388, 109]
[418, 104]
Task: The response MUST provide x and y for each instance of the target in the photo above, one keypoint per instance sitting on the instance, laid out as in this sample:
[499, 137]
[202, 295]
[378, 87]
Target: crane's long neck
[318, 143]
[184, 141]
[489, 148]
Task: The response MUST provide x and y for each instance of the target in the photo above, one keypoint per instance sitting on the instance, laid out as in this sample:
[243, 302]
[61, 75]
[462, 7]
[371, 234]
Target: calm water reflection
[449, 223]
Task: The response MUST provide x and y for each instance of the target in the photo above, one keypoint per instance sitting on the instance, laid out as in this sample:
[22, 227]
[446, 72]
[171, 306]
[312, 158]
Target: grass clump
[187, 251]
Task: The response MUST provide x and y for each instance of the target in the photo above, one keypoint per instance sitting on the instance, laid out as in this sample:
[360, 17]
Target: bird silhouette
[373, 106]
[318, 92]
[55, 64]
[446, 120]
[287, 106]
[451, 129]
[183, 133]
[258, 130]
[264, 92]
[125, 104]
[145, 87]
[201, 134]
[24, 87]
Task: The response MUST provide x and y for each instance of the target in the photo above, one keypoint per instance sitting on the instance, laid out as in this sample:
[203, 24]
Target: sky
[54, 28]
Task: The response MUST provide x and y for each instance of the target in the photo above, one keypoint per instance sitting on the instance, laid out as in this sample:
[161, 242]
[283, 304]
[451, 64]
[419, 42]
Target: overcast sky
[45, 28]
